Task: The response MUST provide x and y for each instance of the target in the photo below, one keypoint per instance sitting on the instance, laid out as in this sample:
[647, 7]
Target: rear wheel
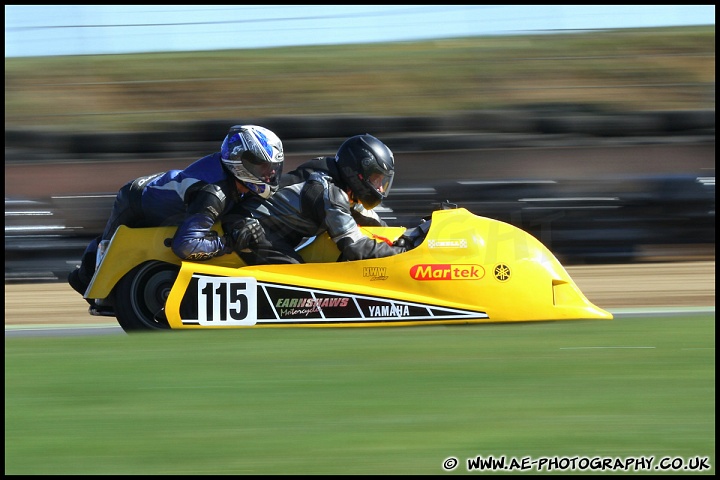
[141, 294]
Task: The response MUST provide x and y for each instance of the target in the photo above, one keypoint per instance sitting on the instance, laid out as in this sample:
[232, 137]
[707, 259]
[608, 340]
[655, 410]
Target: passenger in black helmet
[248, 165]
[333, 194]
[367, 167]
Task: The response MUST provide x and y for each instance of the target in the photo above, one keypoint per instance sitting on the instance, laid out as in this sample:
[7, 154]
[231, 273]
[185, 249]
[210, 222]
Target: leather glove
[246, 234]
[412, 237]
[402, 242]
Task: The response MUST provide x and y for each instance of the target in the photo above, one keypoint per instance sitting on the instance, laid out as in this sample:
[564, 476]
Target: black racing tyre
[141, 294]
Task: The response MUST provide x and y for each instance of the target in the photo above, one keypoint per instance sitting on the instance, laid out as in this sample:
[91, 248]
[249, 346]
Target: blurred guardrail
[631, 217]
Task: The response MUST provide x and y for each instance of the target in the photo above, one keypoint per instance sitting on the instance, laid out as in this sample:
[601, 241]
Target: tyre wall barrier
[450, 131]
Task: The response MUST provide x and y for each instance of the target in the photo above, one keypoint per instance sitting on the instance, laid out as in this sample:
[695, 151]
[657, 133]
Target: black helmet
[367, 167]
[255, 156]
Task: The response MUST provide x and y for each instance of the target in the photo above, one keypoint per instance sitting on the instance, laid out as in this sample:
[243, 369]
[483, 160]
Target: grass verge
[360, 401]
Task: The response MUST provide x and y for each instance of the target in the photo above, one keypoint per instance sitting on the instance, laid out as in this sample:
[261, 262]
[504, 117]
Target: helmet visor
[381, 182]
[267, 172]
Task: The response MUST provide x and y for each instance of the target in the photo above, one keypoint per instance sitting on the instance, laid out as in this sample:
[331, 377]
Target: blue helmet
[254, 155]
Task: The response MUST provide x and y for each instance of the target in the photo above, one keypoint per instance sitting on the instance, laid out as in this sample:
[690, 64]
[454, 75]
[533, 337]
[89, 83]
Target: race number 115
[226, 301]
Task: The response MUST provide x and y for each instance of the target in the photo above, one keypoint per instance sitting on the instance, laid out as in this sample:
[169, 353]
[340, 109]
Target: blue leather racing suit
[194, 199]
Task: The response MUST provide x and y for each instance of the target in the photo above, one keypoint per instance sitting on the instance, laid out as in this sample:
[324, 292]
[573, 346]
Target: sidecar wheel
[141, 294]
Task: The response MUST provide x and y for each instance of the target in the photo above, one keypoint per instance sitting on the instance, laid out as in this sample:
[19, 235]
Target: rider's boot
[78, 284]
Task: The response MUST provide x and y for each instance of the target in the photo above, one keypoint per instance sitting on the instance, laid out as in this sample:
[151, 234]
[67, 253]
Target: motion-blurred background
[591, 127]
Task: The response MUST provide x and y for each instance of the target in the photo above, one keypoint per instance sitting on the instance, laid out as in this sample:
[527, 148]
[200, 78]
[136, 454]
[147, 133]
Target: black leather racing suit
[311, 201]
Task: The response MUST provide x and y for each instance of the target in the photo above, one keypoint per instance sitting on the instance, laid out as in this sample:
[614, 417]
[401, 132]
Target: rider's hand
[412, 237]
[246, 234]
[402, 242]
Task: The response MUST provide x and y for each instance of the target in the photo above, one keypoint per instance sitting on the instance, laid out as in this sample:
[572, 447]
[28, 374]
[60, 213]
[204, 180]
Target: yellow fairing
[469, 269]
[130, 247]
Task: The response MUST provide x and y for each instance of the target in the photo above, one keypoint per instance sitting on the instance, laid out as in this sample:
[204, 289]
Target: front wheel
[141, 294]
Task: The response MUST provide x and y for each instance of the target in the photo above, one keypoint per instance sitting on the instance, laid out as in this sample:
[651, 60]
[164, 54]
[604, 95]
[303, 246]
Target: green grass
[626, 69]
[359, 401]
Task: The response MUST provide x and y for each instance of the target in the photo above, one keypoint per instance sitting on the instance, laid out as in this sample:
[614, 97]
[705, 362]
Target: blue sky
[35, 30]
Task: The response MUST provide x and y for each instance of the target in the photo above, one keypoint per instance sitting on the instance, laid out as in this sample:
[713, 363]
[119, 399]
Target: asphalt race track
[54, 308]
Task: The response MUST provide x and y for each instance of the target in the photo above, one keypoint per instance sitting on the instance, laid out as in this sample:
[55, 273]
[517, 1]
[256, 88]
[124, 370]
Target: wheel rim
[150, 289]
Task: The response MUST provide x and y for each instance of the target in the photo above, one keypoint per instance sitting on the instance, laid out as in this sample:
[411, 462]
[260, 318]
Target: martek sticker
[447, 271]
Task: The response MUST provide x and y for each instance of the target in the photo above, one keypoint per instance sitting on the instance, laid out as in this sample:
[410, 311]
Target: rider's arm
[195, 239]
[365, 217]
[333, 204]
[359, 248]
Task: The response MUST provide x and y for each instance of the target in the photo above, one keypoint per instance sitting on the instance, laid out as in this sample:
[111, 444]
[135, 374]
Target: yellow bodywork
[469, 269]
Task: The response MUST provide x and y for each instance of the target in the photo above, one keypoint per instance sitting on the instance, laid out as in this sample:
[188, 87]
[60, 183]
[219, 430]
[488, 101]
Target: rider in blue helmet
[249, 164]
